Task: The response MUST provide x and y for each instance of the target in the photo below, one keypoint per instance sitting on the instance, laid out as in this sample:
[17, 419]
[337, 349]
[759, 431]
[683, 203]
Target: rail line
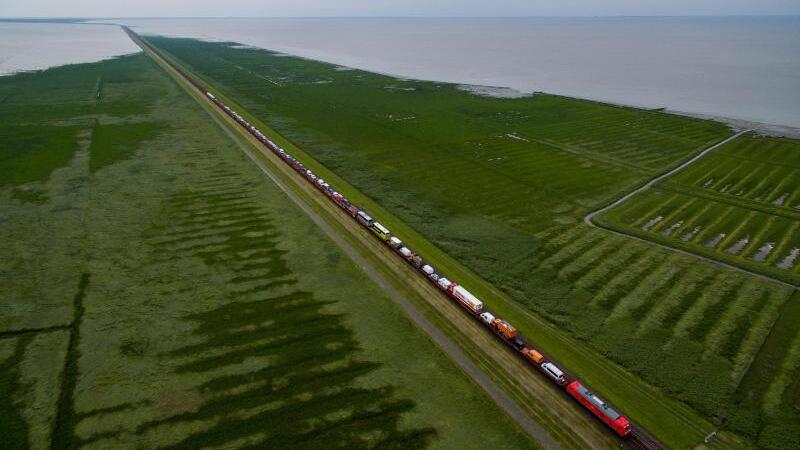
[632, 436]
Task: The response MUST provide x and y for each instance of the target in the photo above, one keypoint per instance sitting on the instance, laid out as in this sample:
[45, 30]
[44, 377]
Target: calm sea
[740, 68]
[31, 46]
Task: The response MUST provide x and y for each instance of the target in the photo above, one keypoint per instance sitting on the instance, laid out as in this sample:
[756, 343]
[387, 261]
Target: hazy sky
[266, 8]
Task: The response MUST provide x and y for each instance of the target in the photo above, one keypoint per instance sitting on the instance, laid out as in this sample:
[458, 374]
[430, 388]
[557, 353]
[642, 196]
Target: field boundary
[589, 217]
[590, 220]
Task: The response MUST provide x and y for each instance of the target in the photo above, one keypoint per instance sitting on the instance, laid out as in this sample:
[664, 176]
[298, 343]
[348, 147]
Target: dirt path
[522, 405]
[589, 218]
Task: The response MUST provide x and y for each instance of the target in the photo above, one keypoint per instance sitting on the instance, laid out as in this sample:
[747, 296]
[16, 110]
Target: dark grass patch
[734, 340]
[116, 142]
[712, 314]
[32, 153]
[756, 380]
[13, 427]
[66, 418]
[306, 392]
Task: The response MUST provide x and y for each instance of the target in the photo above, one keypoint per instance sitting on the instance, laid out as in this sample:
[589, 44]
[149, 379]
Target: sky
[349, 8]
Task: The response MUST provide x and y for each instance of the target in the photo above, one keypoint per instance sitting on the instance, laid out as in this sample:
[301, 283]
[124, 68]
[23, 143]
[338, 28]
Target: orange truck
[505, 328]
[532, 355]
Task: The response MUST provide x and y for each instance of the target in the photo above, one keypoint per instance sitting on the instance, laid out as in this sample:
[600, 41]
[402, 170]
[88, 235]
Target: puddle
[788, 262]
[672, 228]
[690, 235]
[764, 251]
[713, 242]
[709, 182]
[401, 119]
[780, 200]
[738, 246]
[398, 88]
[651, 222]
[519, 138]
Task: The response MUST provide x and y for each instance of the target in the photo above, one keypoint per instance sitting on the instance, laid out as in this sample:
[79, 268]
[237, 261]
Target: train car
[504, 328]
[532, 355]
[406, 253]
[364, 218]
[467, 299]
[619, 423]
[353, 210]
[487, 318]
[395, 243]
[340, 200]
[554, 372]
[444, 284]
[430, 272]
[380, 230]
[518, 343]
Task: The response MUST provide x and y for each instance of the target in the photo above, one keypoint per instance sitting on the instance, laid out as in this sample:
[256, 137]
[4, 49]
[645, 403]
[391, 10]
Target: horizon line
[403, 16]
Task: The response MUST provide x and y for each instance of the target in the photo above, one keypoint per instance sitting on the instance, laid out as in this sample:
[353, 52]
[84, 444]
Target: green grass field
[740, 204]
[494, 190]
[160, 292]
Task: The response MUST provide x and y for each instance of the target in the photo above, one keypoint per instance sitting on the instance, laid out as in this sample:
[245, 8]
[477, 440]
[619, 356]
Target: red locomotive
[619, 423]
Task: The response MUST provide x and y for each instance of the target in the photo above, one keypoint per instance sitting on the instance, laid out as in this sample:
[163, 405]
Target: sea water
[745, 68]
[35, 45]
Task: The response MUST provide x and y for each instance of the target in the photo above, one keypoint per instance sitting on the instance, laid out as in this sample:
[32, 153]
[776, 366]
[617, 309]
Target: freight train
[471, 304]
[458, 293]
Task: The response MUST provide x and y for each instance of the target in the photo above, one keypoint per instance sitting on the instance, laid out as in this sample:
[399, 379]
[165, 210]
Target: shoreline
[768, 129]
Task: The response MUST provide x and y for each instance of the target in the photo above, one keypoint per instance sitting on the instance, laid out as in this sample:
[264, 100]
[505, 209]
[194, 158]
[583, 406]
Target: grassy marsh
[501, 185]
[187, 302]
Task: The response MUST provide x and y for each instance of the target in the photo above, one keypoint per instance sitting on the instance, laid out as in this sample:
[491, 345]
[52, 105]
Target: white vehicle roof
[395, 240]
[405, 251]
[467, 295]
[427, 269]
[444, 282]
[552, 368]
[364, 215]
[488, 317]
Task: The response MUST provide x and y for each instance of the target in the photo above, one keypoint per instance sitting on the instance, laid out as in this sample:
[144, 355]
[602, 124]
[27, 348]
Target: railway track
[641, 440]
[636, 438]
